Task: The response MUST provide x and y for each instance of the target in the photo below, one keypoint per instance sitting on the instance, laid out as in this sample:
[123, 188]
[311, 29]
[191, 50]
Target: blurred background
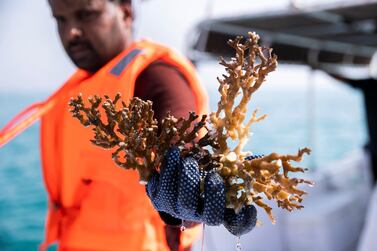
[305, 107]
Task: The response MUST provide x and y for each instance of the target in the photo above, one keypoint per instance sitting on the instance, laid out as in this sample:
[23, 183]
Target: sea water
[338, 124]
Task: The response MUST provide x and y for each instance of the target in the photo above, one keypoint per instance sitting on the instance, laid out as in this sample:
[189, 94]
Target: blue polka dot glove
[176, 191]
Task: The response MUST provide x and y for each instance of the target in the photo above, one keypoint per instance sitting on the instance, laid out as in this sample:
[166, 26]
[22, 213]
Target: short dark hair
[123, 1]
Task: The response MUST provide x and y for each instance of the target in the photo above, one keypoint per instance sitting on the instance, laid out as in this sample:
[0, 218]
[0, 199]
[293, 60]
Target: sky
[34, 61]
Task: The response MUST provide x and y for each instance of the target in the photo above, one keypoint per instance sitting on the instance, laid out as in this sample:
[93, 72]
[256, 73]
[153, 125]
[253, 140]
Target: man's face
[92, 31]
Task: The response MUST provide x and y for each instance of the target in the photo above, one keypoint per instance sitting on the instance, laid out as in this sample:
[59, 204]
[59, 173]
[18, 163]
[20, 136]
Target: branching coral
[133, 132]
[138, 142]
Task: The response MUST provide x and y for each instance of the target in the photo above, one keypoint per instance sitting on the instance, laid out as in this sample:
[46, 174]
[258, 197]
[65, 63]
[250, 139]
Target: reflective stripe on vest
[119, 67]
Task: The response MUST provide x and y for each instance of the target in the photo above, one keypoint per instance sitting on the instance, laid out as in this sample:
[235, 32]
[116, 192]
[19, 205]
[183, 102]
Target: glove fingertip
[188, 189]
[172, 152]
[241, 223]
[214, 199]
[254, 156]
[167, 191]
[171, 162]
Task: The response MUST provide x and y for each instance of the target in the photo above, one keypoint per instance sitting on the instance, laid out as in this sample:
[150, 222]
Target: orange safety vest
[92, 203]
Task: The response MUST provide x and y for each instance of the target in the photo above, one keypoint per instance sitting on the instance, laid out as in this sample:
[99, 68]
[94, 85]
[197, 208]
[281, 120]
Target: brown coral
[133, 132]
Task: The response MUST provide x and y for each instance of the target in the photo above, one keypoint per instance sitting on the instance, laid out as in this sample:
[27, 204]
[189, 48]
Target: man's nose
[75, 32]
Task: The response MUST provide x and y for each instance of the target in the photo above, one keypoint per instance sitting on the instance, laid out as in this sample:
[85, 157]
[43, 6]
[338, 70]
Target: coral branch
[138, 143]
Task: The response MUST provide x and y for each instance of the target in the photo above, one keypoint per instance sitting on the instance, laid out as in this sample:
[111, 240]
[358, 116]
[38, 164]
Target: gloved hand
[176, 191]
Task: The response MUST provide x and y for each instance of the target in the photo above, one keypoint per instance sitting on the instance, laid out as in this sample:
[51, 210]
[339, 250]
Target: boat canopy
[323, 35]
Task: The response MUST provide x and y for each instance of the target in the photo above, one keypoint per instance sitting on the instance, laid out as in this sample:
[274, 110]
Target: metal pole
[311, 98]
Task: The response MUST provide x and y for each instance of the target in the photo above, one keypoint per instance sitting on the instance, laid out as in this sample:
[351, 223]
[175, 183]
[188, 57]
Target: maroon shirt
[166, 87]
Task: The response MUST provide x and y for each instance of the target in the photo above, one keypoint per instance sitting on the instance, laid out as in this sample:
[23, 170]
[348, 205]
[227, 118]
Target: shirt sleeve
[167, 88]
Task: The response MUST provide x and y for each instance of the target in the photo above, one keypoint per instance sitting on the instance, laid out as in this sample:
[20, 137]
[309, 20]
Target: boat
[339, 38]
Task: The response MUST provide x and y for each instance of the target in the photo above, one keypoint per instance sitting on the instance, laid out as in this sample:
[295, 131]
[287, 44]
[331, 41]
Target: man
[97, 36]
[92, 204]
